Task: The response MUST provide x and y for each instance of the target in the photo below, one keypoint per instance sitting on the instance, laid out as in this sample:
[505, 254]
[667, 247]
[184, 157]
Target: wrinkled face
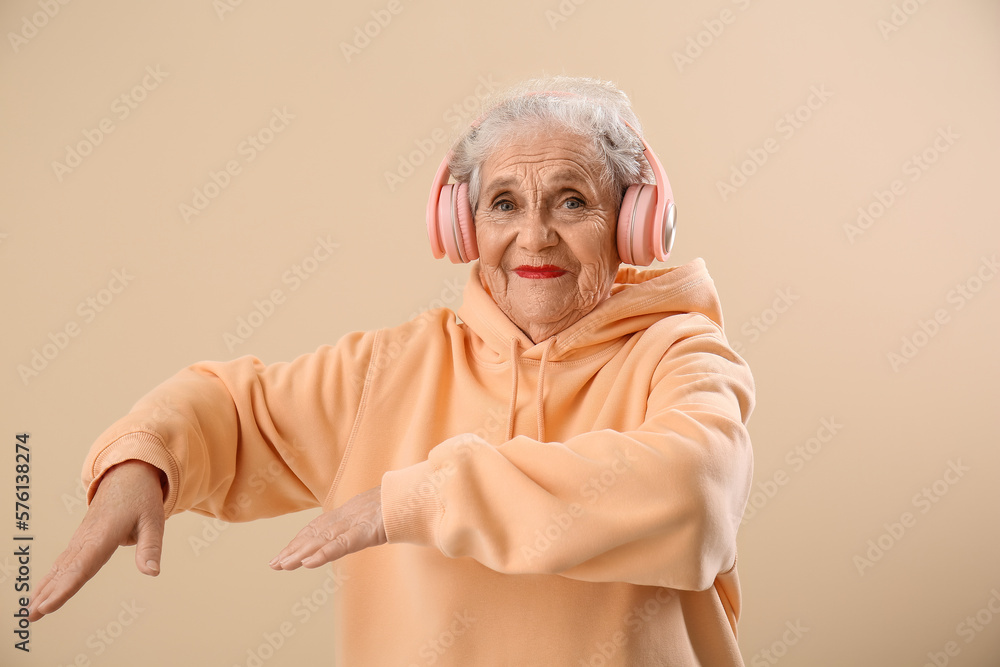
[546, 230]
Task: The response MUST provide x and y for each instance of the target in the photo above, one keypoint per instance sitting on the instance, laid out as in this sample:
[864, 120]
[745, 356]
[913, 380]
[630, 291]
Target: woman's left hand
[355, 525]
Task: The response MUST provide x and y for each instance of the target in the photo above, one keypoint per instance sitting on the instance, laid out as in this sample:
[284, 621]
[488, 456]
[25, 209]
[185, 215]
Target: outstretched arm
[656, 505]
[237, 440]
[127, 509]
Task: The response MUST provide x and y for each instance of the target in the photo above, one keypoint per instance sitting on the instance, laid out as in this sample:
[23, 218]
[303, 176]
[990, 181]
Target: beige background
[849, 298]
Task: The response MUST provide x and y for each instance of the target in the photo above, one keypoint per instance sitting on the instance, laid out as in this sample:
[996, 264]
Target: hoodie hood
[639, 298]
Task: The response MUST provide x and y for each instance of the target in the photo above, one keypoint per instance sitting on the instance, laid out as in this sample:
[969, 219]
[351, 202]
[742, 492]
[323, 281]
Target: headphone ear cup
[434, 224]
[625, 224]
[465, 224]
[635, 225]
[643, 223]
[443, 223]
[453, 232]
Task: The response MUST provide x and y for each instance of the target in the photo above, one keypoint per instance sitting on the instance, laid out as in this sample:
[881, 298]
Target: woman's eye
[573, 203]
[504, 205]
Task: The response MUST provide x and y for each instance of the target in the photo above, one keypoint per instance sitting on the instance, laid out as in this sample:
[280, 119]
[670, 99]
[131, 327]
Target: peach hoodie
[573, 502]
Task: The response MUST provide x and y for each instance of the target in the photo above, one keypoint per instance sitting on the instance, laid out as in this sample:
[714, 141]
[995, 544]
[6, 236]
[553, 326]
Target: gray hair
[595, 110]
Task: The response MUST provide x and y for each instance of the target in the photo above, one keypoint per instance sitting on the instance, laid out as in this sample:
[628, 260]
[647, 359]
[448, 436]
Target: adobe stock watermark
[456, 117]
[223, 7]
[914, 167]
[493, 427]
[294, 277]
[248, 149]
[779, 648]
[389, 354]
[121, 108]
[42, 356]
[449, 295]
[924, 500]
[697, 44]
[165, 408]
[786, 127]
[8, 569]
[596, 486]
[761, 323]
[899, 16]
[634, 620]
[968, 629]
[435, 648]
[369, 30]
[75, 500]
[239, 503]
[957, 297]
[561, 12]
[30, 25]
[104, 637]
[212, 528]
[302, 610]
[796, 458]
[434, 481]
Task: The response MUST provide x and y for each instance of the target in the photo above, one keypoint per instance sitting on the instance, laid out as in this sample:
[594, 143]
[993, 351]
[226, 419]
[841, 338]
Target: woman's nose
[536, 231]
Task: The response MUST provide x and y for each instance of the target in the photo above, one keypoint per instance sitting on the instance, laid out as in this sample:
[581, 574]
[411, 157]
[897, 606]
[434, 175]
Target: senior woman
[555, 477]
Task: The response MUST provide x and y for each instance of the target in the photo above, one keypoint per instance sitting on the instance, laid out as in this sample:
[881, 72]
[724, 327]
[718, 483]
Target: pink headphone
[645, 223]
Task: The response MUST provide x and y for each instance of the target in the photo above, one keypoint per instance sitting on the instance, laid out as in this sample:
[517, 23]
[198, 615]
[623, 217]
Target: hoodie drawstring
[513, 388]
[539, 390]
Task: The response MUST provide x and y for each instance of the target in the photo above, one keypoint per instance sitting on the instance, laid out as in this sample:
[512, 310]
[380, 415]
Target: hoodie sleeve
[658, 505]
[241, 440]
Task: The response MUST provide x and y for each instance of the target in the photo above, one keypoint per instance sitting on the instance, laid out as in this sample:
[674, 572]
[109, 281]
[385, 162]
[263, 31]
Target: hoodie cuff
[140, 446]
[411, 508]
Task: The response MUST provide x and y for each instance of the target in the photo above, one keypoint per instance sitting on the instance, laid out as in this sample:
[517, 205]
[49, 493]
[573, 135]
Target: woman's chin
[544, 324]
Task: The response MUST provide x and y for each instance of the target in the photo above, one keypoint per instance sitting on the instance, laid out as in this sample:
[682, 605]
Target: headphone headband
[646, 219]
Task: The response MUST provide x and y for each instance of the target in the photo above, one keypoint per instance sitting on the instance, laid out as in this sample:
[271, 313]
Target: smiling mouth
[536, 272]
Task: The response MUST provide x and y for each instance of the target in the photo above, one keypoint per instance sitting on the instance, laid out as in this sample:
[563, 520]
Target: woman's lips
[534, 272]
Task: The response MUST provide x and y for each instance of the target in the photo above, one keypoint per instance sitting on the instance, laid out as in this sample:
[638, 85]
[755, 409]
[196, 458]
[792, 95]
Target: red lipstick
[535, 272]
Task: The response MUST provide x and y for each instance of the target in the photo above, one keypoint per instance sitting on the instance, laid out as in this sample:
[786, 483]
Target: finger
[48, 583]
[71, 571]
[41, 590]
[354, 539]
[315, 554]
[45, 586]
[290, 558]
[329, 552]
[300, 541]
[318, 532]
[149, 545]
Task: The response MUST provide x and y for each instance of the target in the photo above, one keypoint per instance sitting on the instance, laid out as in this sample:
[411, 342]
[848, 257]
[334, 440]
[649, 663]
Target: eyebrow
[559, 179]
[502, 184]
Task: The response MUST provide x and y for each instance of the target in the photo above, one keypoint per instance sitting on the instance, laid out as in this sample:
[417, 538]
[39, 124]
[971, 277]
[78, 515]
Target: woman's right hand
[127, 509]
